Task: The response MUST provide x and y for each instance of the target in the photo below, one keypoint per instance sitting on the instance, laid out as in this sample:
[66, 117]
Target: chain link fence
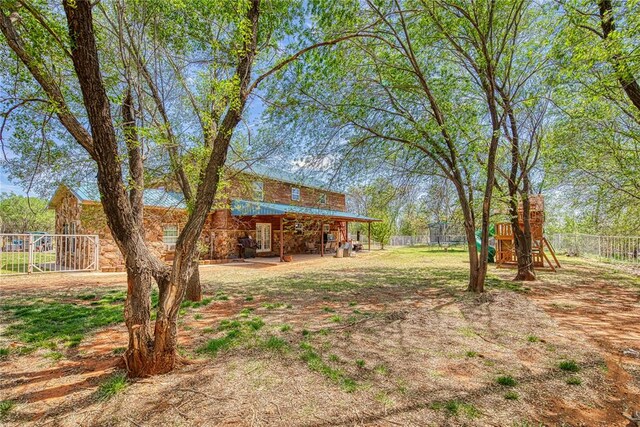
[611, 248]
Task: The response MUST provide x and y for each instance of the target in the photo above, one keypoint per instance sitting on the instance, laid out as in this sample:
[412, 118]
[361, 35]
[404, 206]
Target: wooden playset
[505, 244]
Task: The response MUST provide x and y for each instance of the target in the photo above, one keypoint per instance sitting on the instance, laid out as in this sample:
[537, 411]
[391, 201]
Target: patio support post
[281, 240]
[321, 239]
[369, 236]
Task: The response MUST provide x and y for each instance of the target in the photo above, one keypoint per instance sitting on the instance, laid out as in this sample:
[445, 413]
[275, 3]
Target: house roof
[253, 208]
[154, 197]
[159, 197]
[303, 178]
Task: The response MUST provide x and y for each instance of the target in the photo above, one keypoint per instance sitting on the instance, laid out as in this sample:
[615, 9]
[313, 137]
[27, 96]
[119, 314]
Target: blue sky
[6, 186]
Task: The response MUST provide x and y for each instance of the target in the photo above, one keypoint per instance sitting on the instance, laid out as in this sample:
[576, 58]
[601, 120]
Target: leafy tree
[420, 79]
[20, 214]
[85, 66]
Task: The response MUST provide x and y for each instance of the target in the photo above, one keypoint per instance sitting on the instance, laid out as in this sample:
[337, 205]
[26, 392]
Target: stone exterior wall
[221, 230]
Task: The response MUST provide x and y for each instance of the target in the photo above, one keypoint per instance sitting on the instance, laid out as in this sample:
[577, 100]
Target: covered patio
[282, 229]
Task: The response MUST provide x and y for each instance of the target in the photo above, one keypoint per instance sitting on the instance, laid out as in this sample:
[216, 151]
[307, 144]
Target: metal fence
[408, 240]
[414, 240]
[611, 248]
[48, 253]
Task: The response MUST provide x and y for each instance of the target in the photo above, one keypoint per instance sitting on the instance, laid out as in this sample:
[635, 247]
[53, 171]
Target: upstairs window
[295, 194]
[170, 236]
[322, 199]
[258, 190]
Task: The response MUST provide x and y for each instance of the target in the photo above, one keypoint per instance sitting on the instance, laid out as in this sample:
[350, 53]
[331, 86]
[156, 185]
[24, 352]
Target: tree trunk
[137, 312]
[522, 241]
[194, 288]
[476, 275]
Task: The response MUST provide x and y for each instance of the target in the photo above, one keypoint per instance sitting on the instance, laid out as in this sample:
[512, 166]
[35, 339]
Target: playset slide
[492, 250]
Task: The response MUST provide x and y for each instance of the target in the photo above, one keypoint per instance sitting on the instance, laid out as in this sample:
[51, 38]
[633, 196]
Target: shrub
[506, 380]
[569, 366]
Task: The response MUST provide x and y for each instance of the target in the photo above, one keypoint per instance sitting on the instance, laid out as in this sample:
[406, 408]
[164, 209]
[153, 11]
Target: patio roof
[253, 208]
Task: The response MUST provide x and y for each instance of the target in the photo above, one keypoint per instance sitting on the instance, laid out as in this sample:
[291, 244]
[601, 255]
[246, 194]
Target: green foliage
[19, 214]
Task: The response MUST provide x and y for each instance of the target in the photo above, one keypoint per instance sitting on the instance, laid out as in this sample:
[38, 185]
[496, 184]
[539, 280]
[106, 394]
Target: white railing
[610, 248]
[414, 240]
[48, 253]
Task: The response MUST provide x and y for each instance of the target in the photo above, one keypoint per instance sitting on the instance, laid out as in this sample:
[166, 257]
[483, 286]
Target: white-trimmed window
[299, 227]
[295, 194]
[322, 199]
[170, 236]
[258, 190]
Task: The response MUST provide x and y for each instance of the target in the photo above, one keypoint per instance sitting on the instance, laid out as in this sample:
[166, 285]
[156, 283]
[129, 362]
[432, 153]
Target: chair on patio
[311, 248]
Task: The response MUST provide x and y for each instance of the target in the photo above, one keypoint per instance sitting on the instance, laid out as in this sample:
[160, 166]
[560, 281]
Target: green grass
[273, 305]
[245, 312]
[213, 346]
[574, 380]
[113, 385]
[360, 363]
[507, 381]
[18, 262]
[237, 332]
[532, 338]
[457, 408]
[119, 350]
[285, 328]
[54, 355]
[221, 296]
[276, 344]
[5, 407]
[471, 353]
[511, 395]
[314, 362]
[381, 369]
[336, 319]
[569, 366]
[196, 304]
[4, 353]
[43, 322]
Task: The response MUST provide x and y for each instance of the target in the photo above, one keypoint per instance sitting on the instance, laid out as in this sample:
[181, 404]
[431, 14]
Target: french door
[263, 237]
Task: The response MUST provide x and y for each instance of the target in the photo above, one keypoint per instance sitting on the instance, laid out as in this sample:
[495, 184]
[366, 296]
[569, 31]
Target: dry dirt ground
[387, 338]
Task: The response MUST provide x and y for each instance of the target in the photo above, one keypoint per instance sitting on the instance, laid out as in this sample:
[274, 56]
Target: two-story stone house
[285, 215]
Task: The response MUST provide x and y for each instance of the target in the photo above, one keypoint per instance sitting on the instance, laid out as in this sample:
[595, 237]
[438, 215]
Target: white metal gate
[48, 253]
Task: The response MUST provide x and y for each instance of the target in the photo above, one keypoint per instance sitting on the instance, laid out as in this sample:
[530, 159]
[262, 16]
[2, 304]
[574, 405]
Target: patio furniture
[311, 248]
[246, 247]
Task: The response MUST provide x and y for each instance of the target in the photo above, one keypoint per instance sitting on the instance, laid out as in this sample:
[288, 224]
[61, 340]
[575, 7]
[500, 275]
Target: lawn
[387, 338]
[18, 262]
